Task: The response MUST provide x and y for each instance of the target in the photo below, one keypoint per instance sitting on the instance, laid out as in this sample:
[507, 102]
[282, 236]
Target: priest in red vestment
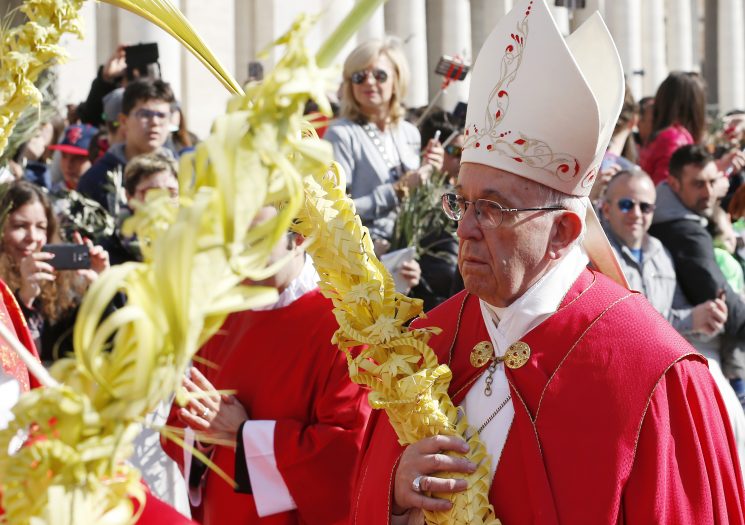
[294, 424]
[591, 407]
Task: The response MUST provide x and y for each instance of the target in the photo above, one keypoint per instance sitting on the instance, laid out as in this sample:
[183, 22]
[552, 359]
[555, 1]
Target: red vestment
[283, 368]
[11, 316]
[617, 419]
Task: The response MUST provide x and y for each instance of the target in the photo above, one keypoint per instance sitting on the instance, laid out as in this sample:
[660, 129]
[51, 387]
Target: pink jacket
[654, 158]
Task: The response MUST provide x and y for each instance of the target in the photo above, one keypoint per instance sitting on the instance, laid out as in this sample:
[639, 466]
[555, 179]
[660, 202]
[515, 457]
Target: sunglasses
[453, 151]
[626, 205]
[358, 77]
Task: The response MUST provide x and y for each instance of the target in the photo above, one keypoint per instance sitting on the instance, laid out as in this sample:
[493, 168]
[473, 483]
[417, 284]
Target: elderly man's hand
[708, 318]
[420, 461]
[209, 413]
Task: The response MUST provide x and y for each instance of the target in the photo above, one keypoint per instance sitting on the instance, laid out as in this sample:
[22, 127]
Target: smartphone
[69, 256]
[451, 68]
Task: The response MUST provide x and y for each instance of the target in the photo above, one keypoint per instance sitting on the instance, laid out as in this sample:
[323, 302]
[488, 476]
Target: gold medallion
[481, 354]
[517, 355]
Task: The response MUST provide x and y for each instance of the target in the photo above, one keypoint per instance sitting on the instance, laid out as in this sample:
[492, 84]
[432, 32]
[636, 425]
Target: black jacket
[685, 236]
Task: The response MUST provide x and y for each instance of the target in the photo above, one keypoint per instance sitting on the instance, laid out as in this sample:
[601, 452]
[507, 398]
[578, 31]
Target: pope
[591, 407]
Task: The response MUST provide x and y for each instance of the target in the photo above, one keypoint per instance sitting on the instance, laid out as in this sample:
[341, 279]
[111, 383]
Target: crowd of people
[670, 196]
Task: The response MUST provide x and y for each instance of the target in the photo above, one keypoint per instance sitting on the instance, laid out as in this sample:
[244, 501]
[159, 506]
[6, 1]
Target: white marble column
[374, 28]
[731, 46]
[580, 15]
[332, 13]
[484, 16]
[653, 46]
[203, 96]
[245, 46]
[448, 33]
[624, 21]
[697, 35]
[407, 20]
[74, 77]
[107, 31]
[679, 34]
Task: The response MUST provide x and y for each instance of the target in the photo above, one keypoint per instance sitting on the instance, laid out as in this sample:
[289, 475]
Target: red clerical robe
[11, 316]
[283, 367]
[617, 419]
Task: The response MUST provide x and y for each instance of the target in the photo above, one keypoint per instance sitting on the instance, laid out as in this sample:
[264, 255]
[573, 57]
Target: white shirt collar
[509, 324]
[300, 285]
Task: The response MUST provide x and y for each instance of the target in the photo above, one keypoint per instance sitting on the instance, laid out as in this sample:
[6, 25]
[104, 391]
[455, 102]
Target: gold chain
[494, 414]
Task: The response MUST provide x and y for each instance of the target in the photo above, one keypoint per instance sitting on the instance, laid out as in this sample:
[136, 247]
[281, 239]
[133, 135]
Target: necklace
[490, 376]
[373, 132]
[494, 414]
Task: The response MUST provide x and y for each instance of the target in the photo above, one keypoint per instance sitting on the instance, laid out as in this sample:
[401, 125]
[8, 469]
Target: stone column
[711, 51]
[580, 15]
[653, 46]
[731, 60]
[679, 35]
[407, 20]
[245, 46]
[374, 28]
[331, 15]
[203, 96]
[624, 21]
[484, 16]
[107, 31]
[74, 77]
[448, 32]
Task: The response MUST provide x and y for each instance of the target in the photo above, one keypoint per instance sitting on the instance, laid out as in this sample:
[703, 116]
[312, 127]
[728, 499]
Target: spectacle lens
[453, 151]
[149, 114]
[626, 205]
[358, 77]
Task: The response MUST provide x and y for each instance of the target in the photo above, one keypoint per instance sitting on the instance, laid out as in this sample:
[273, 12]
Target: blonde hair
[360, 59]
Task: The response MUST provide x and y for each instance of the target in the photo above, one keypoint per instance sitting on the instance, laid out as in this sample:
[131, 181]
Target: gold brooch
[481, 354]
[516, 355]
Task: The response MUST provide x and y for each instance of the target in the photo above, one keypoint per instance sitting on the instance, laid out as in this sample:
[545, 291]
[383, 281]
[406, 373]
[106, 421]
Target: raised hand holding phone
[34, 269]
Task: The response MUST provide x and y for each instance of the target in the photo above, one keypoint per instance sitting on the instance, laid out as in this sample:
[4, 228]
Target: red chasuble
[617, 419]
[283, 367]
[11, 316]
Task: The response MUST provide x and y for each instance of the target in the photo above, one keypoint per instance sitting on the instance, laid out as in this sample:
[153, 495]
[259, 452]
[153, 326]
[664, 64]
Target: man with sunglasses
[590, 407]
[627, 215]
[144, 119]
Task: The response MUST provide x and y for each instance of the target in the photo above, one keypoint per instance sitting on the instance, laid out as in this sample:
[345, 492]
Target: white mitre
[544, 107]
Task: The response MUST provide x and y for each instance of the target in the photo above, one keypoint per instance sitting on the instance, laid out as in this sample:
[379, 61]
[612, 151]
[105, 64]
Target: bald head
[629, 206]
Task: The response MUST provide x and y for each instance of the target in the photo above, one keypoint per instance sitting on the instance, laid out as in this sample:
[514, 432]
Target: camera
[142, 61]
[451, 68]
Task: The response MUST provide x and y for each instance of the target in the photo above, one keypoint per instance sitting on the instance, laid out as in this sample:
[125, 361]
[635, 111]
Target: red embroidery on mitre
[533, 152]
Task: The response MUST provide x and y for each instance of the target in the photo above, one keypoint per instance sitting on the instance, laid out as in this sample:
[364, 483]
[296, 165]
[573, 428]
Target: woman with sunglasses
[378, 150]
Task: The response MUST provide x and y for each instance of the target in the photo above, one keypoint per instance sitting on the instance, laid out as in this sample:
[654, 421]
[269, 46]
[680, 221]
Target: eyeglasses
[453, 151]
[489, 214]
[626, 205]
[149, 114]
[358, 77]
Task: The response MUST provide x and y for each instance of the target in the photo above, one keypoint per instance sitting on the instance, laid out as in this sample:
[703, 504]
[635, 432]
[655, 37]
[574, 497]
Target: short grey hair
[551, 197]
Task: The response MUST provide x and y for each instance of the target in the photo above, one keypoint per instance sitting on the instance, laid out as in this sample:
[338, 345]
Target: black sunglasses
[358, 77]
[626, 205]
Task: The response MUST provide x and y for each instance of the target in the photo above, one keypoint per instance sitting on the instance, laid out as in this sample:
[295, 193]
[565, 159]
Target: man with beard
[684, 203]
